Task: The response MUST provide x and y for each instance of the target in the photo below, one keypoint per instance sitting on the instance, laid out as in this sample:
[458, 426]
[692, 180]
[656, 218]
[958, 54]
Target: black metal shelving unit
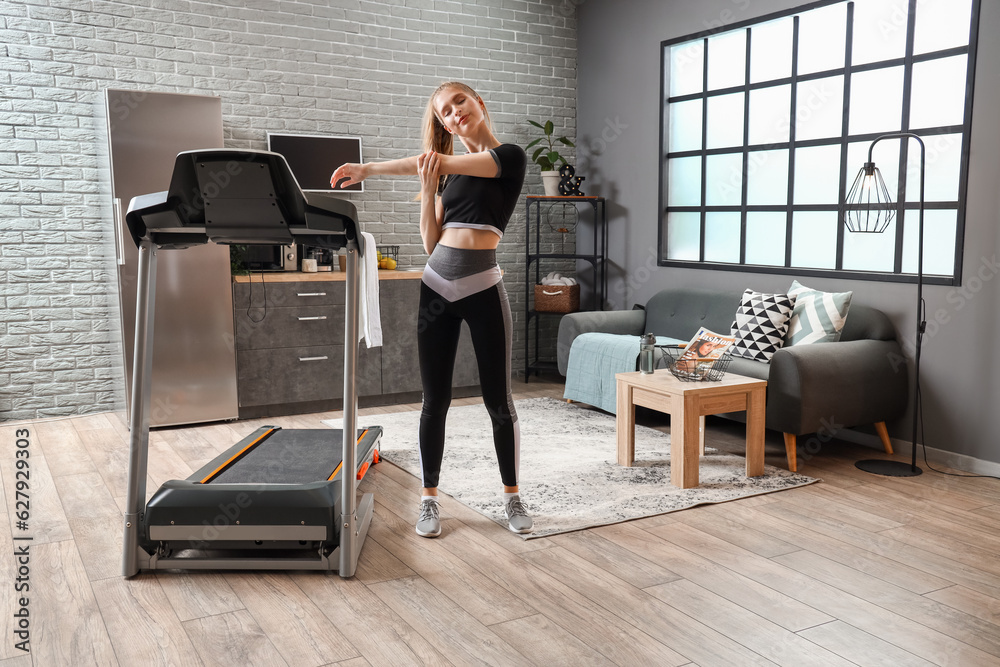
[597, 260]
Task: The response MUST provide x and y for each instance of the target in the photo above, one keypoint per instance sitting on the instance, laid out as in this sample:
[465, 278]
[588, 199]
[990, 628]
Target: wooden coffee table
[687, 403]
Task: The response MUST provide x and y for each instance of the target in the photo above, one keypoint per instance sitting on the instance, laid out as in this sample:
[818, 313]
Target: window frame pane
[897, 158]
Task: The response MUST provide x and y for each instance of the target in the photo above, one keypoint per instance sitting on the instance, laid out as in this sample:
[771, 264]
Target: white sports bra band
[472, 225]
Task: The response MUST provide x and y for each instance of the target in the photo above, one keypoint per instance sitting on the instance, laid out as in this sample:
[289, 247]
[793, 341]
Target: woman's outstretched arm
[355, 172]
[471, 164]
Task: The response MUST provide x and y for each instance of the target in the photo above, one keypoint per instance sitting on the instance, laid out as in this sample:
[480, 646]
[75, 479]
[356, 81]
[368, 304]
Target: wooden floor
[855, 570]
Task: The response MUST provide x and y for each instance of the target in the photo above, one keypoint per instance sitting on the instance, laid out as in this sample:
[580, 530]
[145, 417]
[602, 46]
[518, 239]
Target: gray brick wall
[336, 66]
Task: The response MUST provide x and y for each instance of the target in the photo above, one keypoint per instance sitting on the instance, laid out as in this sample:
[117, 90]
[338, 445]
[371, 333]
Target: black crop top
[486, 203]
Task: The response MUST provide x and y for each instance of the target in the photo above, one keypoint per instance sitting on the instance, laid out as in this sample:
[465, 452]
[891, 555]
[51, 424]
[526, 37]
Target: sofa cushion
[679, 312]
[760, 325]
[817, 317]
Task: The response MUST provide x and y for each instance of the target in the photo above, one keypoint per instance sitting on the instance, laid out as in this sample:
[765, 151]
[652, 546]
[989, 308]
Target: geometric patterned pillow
[760, 325]
[818, 316]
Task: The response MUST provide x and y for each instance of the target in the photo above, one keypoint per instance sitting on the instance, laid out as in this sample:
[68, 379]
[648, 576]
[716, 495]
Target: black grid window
[766, 124]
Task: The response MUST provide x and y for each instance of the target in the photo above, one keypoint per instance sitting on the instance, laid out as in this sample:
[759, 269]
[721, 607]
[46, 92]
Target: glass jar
[647, 344]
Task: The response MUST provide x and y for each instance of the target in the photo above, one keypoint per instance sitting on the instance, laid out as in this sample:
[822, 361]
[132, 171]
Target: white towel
[371, 316]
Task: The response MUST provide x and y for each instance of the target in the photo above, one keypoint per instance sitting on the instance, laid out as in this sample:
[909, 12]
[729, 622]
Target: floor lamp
[869, 209]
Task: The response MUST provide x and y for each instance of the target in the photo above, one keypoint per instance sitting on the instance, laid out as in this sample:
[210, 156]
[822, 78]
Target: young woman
[465, 204]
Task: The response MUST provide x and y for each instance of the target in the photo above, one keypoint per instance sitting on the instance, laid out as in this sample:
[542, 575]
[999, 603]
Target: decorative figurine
[569, 183]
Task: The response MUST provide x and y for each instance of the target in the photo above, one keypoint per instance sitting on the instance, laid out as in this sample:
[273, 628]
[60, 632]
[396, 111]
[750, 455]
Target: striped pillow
[818, 316]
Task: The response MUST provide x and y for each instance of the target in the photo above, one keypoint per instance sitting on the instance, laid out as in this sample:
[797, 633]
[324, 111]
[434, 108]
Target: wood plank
[745, 627]
[826, 506]
[944, 619]
[195, 595]
[213, 638]
[934, 488]
[294, 624]
[684, 634]
[99, 420]
[378, 633]
[715, 520]
[96, 521]
[889, 626]
[615, 559]
[907, 509]
[549, 643]
[860, 647]
[860, 559]
[376, 563]
[969, 601]
[985, 559]
[353, 662]
[601, 630]
[943, 566]
[434, 561]
[959, 527]
[60, 441]
[457, 635]
[47, 520]
[141, 623]
[780, 609]
[110, 455]
[60, 591]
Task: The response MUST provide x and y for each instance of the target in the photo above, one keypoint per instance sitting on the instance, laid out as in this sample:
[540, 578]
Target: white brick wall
[328, 66]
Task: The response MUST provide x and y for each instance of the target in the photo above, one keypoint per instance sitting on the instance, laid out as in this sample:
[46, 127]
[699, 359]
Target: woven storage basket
[557, 298]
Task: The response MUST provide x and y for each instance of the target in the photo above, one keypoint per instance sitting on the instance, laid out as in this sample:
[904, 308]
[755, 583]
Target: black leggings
[487, 313]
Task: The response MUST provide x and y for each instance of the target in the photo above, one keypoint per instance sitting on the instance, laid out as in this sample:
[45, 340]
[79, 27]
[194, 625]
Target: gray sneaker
[429, 523]
[517, 516]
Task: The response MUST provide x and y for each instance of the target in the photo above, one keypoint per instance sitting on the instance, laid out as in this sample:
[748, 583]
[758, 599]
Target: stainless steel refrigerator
[194, 357]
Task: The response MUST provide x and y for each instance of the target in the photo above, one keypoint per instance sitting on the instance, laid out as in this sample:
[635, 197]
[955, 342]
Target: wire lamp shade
[869, 208]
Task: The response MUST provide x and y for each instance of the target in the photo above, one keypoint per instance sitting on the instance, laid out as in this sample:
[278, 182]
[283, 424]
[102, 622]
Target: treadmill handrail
[240, 196]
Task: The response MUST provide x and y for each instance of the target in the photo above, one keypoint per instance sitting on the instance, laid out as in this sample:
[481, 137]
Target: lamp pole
[879, 466]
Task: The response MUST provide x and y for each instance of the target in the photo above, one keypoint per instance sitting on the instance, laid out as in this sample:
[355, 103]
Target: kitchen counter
[322, 276]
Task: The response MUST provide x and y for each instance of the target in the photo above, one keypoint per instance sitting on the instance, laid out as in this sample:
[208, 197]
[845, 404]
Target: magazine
[701, 353]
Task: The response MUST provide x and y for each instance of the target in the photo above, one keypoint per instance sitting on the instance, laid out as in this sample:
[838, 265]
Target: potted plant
[546, 157]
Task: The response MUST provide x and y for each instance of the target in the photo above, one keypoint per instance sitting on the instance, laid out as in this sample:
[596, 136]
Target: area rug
[570, 478]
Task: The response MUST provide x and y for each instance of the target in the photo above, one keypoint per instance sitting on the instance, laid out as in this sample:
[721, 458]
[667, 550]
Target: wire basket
[693, 371]
[388, 256]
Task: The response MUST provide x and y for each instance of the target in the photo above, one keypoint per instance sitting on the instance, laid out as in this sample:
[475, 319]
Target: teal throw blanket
[595, 359]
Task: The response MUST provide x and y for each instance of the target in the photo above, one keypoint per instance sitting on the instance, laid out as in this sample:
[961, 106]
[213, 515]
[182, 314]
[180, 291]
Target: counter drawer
[300, 374]
[295, 374]
[289, 327]
[284, 295]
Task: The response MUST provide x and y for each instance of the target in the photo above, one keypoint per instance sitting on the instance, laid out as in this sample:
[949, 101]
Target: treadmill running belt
[294, 456]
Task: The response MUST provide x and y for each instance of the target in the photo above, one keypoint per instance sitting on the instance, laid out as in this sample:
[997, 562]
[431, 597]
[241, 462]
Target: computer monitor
[313, 158]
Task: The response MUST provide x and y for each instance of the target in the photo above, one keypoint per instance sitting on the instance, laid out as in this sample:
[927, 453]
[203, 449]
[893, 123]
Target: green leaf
[534, 158]
[533, 143]
[549, 127]
[567, 142]
[554, 157]
[538, 125]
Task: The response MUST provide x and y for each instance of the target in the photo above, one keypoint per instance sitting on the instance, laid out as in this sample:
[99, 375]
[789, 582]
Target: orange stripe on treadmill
[341, 464]
[236, 456]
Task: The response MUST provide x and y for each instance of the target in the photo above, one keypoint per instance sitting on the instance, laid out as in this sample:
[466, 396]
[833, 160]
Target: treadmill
[280, 499]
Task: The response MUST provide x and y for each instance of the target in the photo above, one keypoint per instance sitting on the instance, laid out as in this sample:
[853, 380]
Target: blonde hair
[433, 135]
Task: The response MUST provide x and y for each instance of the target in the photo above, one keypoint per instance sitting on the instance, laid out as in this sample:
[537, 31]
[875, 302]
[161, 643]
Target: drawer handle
[311, 293]
[314, 317]
[323, 358]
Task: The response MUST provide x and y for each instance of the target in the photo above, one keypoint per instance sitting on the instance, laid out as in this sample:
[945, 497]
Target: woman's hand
[428, 166]
[352, 171]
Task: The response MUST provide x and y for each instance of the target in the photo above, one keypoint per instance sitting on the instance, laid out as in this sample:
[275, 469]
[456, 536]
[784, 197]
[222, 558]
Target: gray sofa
[816, 388]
